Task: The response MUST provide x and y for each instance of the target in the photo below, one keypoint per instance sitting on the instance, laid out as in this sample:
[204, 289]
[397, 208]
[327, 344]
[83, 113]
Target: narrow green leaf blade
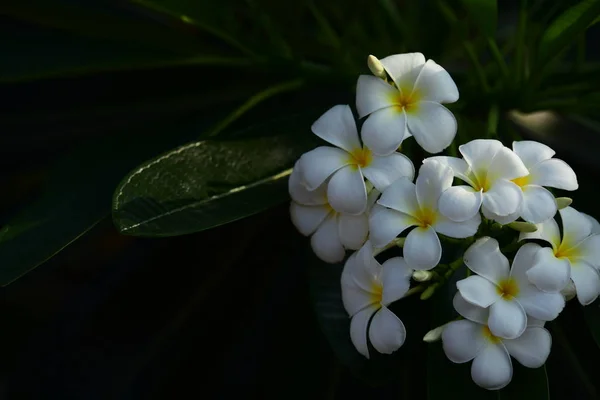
[566, 28]
[484, 14]
[209, 183]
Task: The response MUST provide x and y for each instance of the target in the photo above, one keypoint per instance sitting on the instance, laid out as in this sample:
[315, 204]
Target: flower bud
[527, 227]
[569, 291]
[376, 67]
[562, 202]
[422, 276]
[435, 334]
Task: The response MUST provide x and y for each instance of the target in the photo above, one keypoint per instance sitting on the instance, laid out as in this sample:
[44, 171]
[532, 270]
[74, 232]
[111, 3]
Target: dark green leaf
[566, 28]
[592, 317]
[77, 196]
[484, 14]
[209, 183]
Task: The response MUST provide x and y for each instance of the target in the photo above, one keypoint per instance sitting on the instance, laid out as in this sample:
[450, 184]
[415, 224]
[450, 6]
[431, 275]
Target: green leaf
[209, 183]
[565, 29]
[483, 13]
[76, 197]
[592, 317]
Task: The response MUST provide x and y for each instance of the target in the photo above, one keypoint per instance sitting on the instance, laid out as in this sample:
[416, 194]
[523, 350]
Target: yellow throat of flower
[426, 217]
[406, 99]
[508, 289]
[361, 158]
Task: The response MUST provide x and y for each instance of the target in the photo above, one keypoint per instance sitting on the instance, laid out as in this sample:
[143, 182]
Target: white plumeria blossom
[404, 204]
[488, 168]
[575, 256]
[348, 163]
[411, 106]
[506, 291]
[332, 232]
[369, 288]
[538, 203]
[472, 339]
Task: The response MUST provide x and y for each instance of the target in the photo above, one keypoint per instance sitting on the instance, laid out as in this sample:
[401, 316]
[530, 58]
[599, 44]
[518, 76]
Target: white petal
[460, 203]
[547, 230]
[459, 230]
[554, 173]
[459, 167]
[478, 291]
[506, 165]
[463, 340]
[503, 198]
[347, 192]
[422, 248]
[354, 296]
[531, 152]
[396, 280]
[587, 282]
[588, 250]
[534, 322]
[485, 258]
[501, 219]
[326, 243]
[507, 319]
[404, 68]
[538, 204]
[532, 348]
[432, 125]
[576, 226]
[358, 330]
[385, 225]
[318, 164]
[307, 218]
[386, 332]
[337, 127]
[353, 230]
[434, 177]
[492, 368]
[595, 223]
[540, 305]
[470, 311]
[435, 84]
[401, 196]
[523, 261]
[479, 153]
[383, 171]
[373, 94]
[549, 273]
[369, 270]
[300, 194]
[384, 130]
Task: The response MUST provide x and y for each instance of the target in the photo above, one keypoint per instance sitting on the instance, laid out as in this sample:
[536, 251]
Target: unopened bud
[435, 334]
[527, 227]
[569, 291]
[562, 202]
[376, 67]
[422, 276]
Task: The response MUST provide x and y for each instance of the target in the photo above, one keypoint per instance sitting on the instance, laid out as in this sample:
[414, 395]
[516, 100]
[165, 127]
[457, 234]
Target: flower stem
[452, 267]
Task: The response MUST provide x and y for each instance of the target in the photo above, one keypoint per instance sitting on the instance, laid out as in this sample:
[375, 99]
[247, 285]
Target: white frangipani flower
[472, 339]
[332, 232]
[488, 168]
[369, 288]
[538, 203]
[404, 204]
[411, 106]
[348, 163]
[576, 255]
[507, 292]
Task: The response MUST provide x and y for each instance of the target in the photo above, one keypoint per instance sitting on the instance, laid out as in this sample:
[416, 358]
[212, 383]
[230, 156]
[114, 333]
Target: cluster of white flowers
[359, 194]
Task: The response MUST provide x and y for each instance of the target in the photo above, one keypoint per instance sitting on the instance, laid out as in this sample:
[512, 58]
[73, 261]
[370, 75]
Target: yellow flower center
[565, 250]
[360, 158]
[376, 292]
[489, 335]
[406, 99]
[481, 181]
[508, 288]
[522, 181]
[426, 217]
